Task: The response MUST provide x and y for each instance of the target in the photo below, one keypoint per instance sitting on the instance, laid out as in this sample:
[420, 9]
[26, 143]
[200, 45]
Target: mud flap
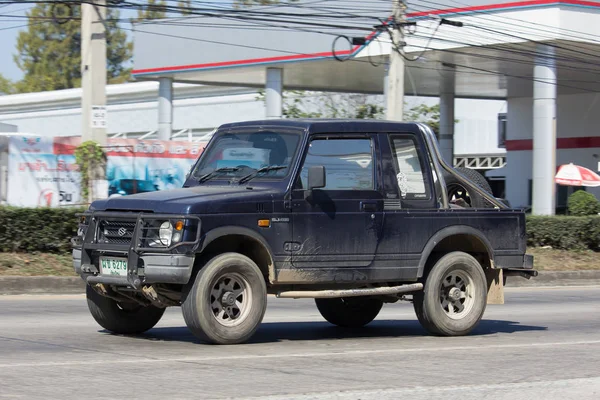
[495, 282]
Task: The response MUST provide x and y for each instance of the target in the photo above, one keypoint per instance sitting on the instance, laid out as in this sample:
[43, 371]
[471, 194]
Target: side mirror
[316, 179]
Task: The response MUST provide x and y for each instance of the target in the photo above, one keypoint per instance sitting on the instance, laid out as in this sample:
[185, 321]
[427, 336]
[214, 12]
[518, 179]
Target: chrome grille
[116, 231]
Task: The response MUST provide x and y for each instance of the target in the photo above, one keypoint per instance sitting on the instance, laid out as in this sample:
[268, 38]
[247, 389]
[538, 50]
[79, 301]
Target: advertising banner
[137, 166]
[38, 177]
[43, 172]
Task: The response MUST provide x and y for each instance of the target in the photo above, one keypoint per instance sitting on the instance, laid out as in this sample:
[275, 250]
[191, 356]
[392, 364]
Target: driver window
[348, 163]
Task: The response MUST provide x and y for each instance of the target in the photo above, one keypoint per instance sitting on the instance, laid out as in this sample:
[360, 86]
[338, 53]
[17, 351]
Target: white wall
[202, 113]
[577, 116]
[476, 131]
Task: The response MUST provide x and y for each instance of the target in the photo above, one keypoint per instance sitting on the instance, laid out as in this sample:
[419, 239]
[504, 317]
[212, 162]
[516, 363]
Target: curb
[10, 285]
[41, 285]
[556, 278]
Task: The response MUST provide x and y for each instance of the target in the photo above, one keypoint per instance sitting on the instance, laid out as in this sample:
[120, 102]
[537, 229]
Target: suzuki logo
[122, 231]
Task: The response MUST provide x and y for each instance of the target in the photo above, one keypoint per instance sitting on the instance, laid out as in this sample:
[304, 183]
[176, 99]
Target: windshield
[235, 155]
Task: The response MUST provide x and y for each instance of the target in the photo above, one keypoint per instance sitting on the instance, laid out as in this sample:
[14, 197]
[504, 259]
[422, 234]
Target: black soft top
[328, 125]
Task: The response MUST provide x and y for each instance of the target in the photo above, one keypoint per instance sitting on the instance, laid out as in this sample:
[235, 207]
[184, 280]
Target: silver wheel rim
[456, 294]
[230, 299]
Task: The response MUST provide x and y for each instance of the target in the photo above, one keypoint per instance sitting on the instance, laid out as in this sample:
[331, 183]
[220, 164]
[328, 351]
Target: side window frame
[423, 161]
[373, 192]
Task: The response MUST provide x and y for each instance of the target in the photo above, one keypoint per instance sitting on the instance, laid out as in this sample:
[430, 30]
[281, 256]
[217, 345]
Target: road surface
[544, 343]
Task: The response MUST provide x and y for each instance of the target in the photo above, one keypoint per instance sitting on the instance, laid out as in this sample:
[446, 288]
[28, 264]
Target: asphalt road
[544, 343]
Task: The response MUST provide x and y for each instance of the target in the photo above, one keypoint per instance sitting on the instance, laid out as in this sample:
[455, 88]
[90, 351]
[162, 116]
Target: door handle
[368, 206]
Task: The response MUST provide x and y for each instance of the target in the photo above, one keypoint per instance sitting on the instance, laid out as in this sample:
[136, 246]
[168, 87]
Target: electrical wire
[316, 20]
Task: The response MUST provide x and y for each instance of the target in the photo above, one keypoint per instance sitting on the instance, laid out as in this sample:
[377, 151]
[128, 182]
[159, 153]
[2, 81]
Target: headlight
[165, 233]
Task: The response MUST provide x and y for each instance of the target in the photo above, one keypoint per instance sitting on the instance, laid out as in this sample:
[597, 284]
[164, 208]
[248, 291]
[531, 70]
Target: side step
[327, 294]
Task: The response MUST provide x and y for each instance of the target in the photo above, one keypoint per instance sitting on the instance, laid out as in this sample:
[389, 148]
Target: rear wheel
[349, 312]
[123, 318]
[227, 301]
[454, 297]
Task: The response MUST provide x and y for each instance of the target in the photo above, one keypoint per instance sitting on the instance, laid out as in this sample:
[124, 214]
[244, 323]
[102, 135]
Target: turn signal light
[264, 223]
[178, 225]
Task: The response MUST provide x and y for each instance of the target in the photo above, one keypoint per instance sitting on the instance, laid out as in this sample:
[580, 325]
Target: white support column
[544, 131]
[446, 133]
[165, 108]
[386, 89]
[274, 92]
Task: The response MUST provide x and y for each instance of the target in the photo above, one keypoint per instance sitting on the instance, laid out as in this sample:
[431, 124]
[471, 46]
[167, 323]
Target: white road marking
[347, 353]
[554, 389]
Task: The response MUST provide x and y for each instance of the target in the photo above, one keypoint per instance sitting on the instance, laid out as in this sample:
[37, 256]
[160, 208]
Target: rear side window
[348, 163]
[409, 169]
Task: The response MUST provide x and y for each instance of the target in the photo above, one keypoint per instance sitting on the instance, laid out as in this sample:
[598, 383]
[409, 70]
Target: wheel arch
[456, 238]
[240, 240]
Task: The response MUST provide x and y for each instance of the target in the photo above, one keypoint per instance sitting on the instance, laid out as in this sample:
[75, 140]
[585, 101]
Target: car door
[336, 230]
[409, 220]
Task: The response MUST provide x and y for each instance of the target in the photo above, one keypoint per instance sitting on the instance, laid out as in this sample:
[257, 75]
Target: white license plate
[113, 266]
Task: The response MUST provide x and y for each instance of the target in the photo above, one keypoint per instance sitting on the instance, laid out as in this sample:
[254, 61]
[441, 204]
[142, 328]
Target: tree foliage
[49, 53]
[152, 10]
[89, 156]
[582, 203]
[6, 86]
[184, 6]
[426, 114]
[305, 104]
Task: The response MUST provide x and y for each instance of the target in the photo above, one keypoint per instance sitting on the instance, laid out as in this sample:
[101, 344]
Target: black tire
[350, 312]
[219, 275]
[473, 199]
[122, 318]
[429, 304]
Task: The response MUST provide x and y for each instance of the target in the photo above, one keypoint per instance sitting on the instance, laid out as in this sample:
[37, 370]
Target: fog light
[176, 237]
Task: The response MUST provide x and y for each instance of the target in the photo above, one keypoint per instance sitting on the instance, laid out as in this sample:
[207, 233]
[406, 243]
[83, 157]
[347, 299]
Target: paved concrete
[544, 343]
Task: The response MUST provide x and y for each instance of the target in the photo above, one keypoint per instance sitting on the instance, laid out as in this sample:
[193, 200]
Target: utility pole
[395, 80]
[93, 84]
[93, 71]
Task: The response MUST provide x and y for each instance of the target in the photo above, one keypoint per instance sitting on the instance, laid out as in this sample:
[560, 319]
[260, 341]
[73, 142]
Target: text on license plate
[113, 266]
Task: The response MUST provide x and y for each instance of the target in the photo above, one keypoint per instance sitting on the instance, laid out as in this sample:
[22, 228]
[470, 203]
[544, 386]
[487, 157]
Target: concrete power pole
[395, 79]
[93, 71]
[93, 83]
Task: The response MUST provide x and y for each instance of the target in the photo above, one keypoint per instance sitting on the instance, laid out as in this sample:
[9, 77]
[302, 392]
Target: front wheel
[351, 312]
[227, 301]
[122, 318]
[454, 297]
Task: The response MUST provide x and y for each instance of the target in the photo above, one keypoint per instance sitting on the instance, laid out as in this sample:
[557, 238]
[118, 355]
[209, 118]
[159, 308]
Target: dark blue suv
[352, 213]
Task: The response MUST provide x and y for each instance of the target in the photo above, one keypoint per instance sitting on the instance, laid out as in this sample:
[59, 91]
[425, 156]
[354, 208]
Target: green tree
[152, 10]
[184, 6]
[426, 114]
[306, 104]
[49, 53]
[6, 86]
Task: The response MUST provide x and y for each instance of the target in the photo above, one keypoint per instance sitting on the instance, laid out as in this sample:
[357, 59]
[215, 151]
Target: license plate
[113, 266]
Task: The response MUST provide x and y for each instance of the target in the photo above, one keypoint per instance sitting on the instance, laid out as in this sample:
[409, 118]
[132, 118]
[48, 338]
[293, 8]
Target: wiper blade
[211, 174]
[261, 170]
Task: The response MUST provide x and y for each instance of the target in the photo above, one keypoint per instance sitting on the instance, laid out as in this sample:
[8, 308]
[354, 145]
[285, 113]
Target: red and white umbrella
[575, 175]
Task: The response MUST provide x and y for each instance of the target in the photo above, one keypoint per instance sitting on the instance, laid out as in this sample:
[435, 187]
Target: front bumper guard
[145, 264]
